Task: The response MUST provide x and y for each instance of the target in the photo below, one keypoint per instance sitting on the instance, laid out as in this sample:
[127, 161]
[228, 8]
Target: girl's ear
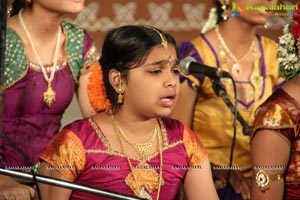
[115, 79]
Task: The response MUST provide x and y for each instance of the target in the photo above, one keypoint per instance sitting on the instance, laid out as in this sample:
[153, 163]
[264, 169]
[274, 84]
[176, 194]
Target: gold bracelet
[263, 179]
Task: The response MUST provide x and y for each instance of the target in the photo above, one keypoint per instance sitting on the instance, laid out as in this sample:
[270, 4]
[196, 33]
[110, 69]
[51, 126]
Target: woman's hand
[240, 184]
[10, 189]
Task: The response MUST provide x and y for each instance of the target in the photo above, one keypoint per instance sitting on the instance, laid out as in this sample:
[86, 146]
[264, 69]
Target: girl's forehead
[163, 53]
[161, 62]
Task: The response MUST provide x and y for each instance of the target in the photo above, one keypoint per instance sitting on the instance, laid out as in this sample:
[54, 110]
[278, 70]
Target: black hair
[17, 5]
[218, 6]
[127, 47]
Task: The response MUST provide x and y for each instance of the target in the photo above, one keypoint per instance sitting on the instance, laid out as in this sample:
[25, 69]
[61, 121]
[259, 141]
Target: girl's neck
[134, 124]
[237, 36]
[41, 21]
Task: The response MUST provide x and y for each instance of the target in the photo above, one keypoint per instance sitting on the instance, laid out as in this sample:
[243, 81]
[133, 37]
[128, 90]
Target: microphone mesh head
[185, 64]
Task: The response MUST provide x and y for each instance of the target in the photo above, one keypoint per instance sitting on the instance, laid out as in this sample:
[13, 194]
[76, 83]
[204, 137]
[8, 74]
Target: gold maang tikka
[164, 41]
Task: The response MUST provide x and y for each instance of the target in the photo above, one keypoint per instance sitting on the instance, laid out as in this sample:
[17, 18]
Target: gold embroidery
[66, 153]
[256, 78]
[101, 136]
[111, 151]
[146, 177]
[195, 150]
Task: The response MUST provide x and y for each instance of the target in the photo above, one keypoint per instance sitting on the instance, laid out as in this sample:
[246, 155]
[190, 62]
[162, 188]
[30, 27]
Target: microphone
[189, 65]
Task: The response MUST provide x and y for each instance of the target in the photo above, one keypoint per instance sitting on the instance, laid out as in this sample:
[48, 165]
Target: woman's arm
[270, 152]
[49, 192]
[83, 97]
[10, 189]
[198, 183]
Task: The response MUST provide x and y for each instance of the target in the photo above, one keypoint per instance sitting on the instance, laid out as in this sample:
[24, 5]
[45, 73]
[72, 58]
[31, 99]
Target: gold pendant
[49, 96]
[144, 150]
[144, 194]
[235, 70]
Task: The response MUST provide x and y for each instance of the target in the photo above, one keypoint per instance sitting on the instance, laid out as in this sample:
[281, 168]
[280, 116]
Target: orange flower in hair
[96, 89]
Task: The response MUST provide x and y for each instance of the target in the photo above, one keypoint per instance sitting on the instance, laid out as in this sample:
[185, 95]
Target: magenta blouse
[82, 154]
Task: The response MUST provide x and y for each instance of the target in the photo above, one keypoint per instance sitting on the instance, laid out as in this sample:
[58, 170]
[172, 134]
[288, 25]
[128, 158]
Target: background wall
[182, 18]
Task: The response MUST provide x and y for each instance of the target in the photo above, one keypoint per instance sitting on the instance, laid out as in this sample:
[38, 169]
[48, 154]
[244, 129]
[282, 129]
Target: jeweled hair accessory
[288, 53]
[211, 22]
[164, 41]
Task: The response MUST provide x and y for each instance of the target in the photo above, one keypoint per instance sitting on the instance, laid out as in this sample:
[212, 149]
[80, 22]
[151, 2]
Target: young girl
[132, 148]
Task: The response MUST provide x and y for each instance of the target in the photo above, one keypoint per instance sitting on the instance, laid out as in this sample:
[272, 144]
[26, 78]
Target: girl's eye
[155, 71]
[176, 71]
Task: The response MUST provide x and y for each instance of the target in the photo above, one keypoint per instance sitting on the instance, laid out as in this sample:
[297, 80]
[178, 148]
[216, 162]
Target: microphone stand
[68, 185]
[220, 91]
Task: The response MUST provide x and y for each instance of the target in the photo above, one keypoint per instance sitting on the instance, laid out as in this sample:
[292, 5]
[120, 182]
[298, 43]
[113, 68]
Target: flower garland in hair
[289, 48]
[211, 22]
[287, 57]
[96, 90]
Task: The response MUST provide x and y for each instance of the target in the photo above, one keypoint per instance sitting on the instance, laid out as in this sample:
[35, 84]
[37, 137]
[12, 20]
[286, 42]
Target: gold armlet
[263, 179]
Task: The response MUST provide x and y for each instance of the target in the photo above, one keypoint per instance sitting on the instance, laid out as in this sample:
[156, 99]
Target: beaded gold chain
[256, 79]
[49, 95]
[142, 192]
[235, 70]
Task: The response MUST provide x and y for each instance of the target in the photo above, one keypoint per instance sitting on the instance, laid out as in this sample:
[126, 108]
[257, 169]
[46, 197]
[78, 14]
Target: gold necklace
[143, 149]
[142, 192]
[256, 79]
[235, 70]
[49, 95]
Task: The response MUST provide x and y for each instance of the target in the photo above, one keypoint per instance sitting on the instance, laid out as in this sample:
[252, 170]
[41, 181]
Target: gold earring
[120, 94]
[226, 11]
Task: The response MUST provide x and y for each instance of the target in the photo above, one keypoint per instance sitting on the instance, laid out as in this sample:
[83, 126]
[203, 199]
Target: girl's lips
[169, 100]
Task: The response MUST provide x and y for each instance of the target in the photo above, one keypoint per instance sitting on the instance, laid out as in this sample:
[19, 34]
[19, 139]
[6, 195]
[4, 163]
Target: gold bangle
[263, 179]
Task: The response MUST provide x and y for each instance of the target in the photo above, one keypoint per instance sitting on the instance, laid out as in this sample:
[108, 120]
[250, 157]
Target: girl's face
[152, 88]
[61, 6]
[255, 17]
